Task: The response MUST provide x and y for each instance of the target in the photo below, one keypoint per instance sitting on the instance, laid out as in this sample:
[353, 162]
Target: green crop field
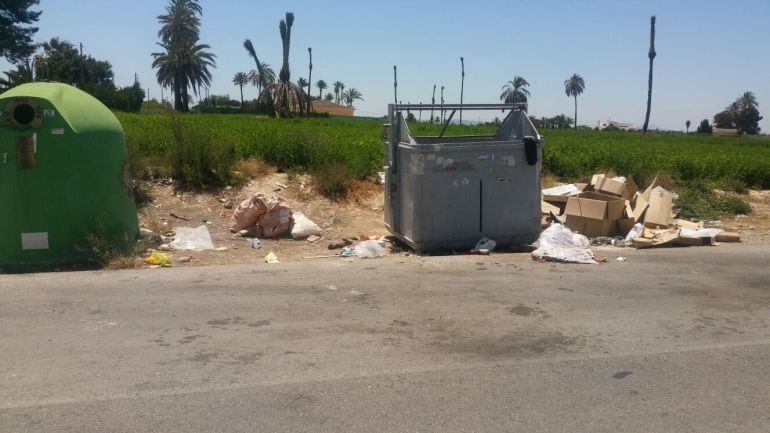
[307, 144]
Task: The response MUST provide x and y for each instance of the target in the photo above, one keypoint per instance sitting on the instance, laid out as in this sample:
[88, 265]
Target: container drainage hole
[24, 114]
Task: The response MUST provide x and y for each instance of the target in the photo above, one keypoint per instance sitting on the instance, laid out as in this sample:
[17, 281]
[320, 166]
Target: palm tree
[254, 77]
[266, 78]
[302, 82]
[15, 77]
[687, 126]
[183, 66]
[351, 95]
[574, 86]
[329, 96]
[515, 91]
[284, 76]
[339, 86]
[241, 79]
[747, 100]
[181, 21]
[321, 85]
[651, 54]
[184, 63]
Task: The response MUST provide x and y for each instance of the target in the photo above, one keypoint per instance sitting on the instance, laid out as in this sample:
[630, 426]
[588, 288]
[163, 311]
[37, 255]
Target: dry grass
[549, 181]
[365, 193]
[254, 168]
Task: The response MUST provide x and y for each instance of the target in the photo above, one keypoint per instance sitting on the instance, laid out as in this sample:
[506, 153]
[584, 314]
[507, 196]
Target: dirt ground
[361, 216]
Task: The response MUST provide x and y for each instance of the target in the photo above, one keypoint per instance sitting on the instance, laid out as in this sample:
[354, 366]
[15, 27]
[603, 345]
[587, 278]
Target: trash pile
[260, 217]
[613, 211]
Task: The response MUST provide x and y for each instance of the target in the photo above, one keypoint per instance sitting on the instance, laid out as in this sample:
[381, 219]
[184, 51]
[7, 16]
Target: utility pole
[433, 102]
[395, 84]
[442, 104]
[309, 79]
[462, 85]
[82, 64]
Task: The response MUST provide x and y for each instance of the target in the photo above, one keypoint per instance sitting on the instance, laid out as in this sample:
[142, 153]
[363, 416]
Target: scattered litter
[485, 244]
[271, 258]
[179, 217]
[332, 287]
[370, 249]
[483, 251]
[185, 259]
[621, 259]
[380, 177]
[164, 247]
[355, 292]
[158, 259]
[713, 224]
[558, 243]
[255, 244]
[313, 239]
[195, 239]
[569, 189]
[335, 245]
[147, 234]
[220, 249]
[302, 227]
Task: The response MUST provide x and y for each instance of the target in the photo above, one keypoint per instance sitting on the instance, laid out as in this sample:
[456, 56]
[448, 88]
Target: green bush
[698, 200]
[308, 143]
[333, 180]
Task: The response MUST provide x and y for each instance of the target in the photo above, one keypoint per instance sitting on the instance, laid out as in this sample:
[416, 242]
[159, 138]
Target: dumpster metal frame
[516, 134]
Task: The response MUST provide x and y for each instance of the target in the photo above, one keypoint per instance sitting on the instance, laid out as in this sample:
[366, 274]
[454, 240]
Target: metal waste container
[65, 187]
[448, 192]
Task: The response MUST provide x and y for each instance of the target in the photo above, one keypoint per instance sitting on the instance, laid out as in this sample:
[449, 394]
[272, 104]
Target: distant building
[724, 132]
[601, 124]
[323, 106]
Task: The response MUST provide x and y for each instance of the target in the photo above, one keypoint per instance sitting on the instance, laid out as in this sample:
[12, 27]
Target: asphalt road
[670, 340]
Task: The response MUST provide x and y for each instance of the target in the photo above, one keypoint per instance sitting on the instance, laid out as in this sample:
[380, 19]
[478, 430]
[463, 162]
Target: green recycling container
[66, 195]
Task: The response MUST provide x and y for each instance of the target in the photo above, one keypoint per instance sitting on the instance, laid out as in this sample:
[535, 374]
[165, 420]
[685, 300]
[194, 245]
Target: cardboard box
[625, 225]
[630, 190]
[597, 206]
[591, 228]
[659, 211]
[606, 185]
[594, 214]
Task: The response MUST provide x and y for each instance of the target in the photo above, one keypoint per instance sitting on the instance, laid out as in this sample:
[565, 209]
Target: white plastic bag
[560, 244]
[302, 227]
[485, 244]
[634, 233]
[370, 249]
[196, 239]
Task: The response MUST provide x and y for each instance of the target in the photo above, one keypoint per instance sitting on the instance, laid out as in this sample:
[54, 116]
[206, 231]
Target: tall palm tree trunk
[575, 110]
[651, 55]
[241, 86]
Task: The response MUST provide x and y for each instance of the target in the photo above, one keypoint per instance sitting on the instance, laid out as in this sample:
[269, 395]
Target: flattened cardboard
[597, 206]
[656, 238]
[696, 242]
[684, 224]
[591, 227]
[728, 237]
[659, 212]
[640, 206]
